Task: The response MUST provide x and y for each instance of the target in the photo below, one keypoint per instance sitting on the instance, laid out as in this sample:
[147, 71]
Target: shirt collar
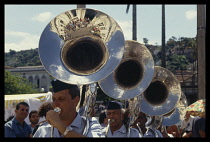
[77, 121]
[17, 122]
[122, 130]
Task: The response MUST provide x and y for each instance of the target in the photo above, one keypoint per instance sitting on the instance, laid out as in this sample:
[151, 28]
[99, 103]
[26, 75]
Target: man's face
[141, 119]
[63, 100]
[34, 118]
[115, 115]
[22, 112]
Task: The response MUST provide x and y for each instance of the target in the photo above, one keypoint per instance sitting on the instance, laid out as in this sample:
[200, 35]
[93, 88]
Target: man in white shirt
[116, 128]
[186, 125]
[68, 123]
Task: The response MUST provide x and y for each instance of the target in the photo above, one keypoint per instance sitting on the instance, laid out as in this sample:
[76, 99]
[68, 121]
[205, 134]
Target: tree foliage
[180, 53]
[145, 40]
[22, 58]
[17, 85]
[177, 62]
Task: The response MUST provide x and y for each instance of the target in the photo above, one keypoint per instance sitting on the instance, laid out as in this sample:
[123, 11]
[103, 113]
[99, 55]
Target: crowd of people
[112, 121]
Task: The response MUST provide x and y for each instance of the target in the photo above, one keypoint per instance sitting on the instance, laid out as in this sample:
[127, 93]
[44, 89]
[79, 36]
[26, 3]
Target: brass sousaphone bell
[81, 46]
[163, 93]
[133, 75]
[177, 114]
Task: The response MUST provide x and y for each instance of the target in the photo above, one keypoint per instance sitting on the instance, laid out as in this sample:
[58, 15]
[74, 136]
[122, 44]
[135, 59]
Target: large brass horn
[133, 75]
[162, 94]
[177, 114]
[81, 46]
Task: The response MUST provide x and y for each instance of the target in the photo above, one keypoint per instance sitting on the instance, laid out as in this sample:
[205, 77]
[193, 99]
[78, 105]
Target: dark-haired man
[33, 118]
[116, 128]
[68, 123]
[17, 127]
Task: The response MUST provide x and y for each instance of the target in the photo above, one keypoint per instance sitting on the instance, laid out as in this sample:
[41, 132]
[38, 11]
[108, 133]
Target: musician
[152, 126]
[116, 128]
[141, 121]
[68, 123]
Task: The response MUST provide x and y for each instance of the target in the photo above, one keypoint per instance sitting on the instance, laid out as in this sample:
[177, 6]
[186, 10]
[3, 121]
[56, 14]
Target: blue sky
[25, 23]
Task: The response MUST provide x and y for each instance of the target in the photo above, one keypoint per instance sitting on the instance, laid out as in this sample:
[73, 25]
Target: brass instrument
[177, 114]
[81, 47]
[163, 93]
[133, 75]
[153, 123]
[134, 110]
[130, 78]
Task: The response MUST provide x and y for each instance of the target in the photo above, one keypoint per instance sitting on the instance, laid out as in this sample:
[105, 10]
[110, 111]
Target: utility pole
[163, 61]
[81, 6]
[201, 46]
[134, 23]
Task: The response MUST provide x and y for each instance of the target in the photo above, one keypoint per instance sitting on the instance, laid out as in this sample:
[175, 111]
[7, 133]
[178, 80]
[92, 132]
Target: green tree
[17, 85]
[145, 40]
[12, 52]
[177, 62]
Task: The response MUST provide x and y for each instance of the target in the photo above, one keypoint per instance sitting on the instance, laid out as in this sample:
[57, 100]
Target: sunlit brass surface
[133, 75]
[81, 46]
[177, 114]
[162, 94]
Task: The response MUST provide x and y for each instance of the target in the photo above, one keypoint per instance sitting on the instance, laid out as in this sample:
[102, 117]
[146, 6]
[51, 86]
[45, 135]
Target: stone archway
[37, 81]
[30, 79]
[44, 83]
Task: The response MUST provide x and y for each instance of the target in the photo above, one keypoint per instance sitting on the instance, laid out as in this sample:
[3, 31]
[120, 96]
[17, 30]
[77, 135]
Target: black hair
[33, 111]
[21, 103]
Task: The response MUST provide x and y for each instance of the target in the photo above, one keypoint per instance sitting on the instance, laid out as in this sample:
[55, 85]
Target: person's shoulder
[94, 119]
[44, 124]
[134, 133]
[8, 124]
[134, 130]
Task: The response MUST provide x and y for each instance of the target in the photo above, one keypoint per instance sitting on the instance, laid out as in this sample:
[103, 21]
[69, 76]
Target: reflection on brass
[177, 114]
[162, 94]
[81, 46]
[133, 75]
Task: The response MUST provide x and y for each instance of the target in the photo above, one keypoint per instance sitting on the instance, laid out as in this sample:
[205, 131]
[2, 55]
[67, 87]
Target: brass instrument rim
[52, 40]
[69, 46]
[114, 90]
[174, 90]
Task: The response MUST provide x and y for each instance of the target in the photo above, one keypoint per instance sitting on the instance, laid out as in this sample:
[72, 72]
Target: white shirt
[187, 124]
[121, 132]
[78, 125]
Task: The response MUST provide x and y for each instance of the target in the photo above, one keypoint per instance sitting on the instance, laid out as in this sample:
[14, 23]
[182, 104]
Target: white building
[34, 74]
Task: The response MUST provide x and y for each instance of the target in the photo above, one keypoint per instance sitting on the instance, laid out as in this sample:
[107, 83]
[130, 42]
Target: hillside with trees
[180, 53]
[22, 58]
